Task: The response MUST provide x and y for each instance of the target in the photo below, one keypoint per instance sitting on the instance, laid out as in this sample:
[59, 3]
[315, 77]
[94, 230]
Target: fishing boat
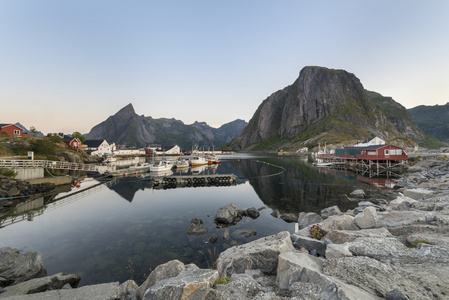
[181, 163]
[198, 161]
[212, 160]
[163, 165]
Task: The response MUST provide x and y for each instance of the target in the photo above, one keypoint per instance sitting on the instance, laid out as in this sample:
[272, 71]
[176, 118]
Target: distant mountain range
[433, 120]
[326, 105]
[126, 127]
[25, 130]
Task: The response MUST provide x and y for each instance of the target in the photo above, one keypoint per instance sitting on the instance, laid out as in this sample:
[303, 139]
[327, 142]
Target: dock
[171, 182]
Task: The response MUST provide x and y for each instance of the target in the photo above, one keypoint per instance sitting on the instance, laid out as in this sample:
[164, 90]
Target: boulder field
[395, 249]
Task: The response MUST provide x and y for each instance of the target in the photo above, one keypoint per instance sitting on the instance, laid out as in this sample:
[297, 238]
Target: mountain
[323, 105]
[126, 127]
[25, 130]
[433, 120]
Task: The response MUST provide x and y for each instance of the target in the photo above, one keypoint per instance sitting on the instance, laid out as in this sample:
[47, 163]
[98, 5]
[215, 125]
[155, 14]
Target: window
[16, 132]
[371, 152]
[387, 152]
[398, 152]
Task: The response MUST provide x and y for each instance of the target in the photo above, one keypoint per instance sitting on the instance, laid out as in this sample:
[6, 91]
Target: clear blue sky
[68, 65]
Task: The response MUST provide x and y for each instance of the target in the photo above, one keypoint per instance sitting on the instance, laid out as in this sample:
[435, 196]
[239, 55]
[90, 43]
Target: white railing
[47, 164]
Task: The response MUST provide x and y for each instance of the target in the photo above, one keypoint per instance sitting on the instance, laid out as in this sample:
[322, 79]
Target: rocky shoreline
[382, 249]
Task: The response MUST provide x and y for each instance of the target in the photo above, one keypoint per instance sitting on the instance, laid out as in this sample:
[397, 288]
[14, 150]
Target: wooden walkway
[47, 164]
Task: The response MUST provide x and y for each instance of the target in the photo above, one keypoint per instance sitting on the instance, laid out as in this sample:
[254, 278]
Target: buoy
[126, 174]
[78, 185]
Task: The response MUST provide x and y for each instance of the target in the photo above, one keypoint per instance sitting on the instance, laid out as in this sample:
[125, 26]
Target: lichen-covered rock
[226, 215]
[300, 267]
[306, 219]
[196, 227]
[16, 267]
[39, 285]
[161, 272]
[188, 285]
[366, 219]
[259, 254]
[330, 211]
[341, 222]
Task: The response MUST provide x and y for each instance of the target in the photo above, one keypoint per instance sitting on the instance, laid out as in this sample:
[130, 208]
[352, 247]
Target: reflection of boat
[163, 165]
[323, 164]
[198, 161]
[140, 167]
[181, 163]
[109, 159]
[162, 173]
[198, 169]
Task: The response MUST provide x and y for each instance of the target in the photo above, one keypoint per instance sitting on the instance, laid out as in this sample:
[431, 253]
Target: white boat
[181, 163]
[140, 167]
[198, 161]
[323, 164]
[163, 165]
[212, 160]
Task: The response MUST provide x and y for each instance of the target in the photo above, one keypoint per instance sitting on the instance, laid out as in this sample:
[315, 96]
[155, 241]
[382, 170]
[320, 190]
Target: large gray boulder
[226, 215]
[16, 267]
[188, 285]
[259, 254]
[309, 243]
[341, 222]
[306, 219]
[241, 287]
[330, 211]
[366, 219]
[38, 285]
[105, 291]
[161, 272]
[384, 249]
[343, 236]
[196, 227]
[417, 193]
[300, 267]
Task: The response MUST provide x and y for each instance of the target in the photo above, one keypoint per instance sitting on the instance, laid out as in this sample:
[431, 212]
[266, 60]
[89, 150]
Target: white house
[371, 142]
[98, 147]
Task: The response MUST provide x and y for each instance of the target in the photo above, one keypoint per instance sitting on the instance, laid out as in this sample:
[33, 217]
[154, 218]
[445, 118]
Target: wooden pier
[171, 182]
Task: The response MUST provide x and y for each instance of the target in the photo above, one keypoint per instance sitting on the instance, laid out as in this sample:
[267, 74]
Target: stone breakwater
[382, 249]
[12, 191]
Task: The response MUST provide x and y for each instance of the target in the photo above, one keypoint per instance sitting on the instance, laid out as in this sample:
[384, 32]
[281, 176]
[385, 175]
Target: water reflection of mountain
[300, 188]
[128, 187]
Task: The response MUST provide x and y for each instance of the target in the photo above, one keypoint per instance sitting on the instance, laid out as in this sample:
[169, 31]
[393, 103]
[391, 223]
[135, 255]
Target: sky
[67, 66]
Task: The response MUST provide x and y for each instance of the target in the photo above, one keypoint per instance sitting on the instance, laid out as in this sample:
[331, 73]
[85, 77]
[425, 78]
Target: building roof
[67, 139]
[93, 143]
[372, 147]
[6, 124]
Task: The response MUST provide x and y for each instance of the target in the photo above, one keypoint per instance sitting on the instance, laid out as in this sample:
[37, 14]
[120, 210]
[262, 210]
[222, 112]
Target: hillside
[322, 105]
[433, 120]
[126, 127]
[400, 117]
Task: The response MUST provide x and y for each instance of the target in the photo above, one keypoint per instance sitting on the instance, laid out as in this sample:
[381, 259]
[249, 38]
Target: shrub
[316, 232]
[8, 172]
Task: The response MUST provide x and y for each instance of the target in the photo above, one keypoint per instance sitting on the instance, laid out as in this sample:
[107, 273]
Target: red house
[11, 129]
[74, 143]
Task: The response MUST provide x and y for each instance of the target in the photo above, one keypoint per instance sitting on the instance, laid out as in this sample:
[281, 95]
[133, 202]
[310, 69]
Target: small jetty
[167, 182]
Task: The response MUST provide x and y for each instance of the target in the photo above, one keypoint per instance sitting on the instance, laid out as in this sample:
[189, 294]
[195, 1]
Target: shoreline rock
[395, 249]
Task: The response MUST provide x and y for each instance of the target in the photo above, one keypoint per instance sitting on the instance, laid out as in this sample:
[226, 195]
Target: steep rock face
[397, 115]
[126, 127]
[325, 104]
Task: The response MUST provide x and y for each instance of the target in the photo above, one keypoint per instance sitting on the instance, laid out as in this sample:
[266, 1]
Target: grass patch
[222, 280]
[8, 172]
[415, 244]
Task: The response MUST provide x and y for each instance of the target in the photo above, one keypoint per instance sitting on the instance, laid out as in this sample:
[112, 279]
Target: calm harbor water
[99, 232]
